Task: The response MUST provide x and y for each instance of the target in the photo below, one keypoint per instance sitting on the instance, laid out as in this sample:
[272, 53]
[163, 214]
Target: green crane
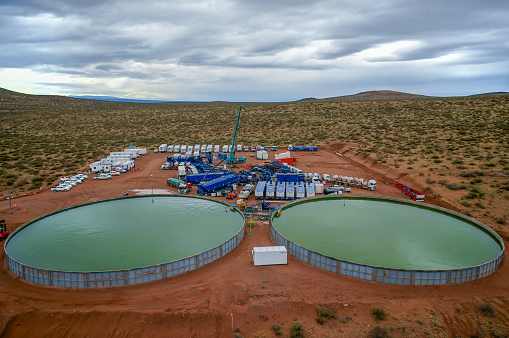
[231, 159]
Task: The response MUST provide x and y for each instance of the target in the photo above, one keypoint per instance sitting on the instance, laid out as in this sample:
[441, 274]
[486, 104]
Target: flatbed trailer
[410, 192]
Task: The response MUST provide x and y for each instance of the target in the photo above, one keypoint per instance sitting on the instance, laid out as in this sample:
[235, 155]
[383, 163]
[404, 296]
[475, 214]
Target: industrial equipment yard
[232, 296]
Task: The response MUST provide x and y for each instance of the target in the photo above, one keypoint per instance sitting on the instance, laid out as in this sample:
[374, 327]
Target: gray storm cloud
[253, 50]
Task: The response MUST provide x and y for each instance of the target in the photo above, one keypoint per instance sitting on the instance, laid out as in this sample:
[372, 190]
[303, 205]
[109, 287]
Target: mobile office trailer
[239, 147]
[260, 190]
[170, 149]
[196, 153]
[123, 154]
[163, 147]
[203, 148]
[183, 148]
[225, 148]
[197, 147]
[98, 167]
[176, 149]
[135, 153]
[269, 255]
[124, 164]
[216, 148]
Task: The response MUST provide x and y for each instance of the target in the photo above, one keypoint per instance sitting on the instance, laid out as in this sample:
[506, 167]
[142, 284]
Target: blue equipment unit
[300, 190]
[260, 190]
[281, 190]
[290, 190]
[270, 190]
[220, 182]
[204, 177]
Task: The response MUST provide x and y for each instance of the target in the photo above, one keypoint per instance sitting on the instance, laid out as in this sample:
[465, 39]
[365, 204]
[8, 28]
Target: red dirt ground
[230, 295]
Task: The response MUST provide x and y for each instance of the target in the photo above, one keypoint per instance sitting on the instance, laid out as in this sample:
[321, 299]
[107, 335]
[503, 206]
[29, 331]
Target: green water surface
[386, 234]
[124, 234]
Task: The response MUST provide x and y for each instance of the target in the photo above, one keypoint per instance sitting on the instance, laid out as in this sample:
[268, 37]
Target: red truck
[4, 233]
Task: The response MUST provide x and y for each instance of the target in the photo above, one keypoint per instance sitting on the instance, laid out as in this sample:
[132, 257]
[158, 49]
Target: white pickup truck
[102, 176]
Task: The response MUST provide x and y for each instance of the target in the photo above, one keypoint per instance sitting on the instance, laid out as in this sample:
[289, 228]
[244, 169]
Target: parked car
[246, 148]
[102, 176]
[114, 173]
[61, 187]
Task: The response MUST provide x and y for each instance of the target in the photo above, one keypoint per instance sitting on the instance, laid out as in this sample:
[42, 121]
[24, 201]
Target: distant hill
[116, 99]
[375, 95]
[490, 94]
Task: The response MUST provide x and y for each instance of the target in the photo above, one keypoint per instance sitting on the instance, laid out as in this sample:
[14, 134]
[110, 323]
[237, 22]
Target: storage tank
[388, 240]
[50, 252]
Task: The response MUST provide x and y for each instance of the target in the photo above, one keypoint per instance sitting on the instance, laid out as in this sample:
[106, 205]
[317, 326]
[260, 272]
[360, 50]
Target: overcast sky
[253, 50]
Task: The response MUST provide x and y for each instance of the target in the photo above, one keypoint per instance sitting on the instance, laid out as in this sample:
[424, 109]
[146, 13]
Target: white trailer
[183, 148]
[196, 153]
[123, 154]
[176, 148]
[124, 164]
[98, 167]
[239, 147]
[203, 148]
[269, 255]
[216, 148]
[225, 148]
[209, 148]
[170, 149]
[135, 153]
[163, 147]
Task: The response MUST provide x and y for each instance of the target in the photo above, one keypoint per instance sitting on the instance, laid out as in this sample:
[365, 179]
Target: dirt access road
[230, 294]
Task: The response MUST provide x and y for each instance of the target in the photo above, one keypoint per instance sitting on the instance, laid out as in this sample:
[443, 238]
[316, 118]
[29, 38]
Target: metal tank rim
[45, 273]
[391, 275]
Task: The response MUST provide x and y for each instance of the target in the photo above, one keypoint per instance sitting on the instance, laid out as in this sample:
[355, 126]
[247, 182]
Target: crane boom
[231, 158]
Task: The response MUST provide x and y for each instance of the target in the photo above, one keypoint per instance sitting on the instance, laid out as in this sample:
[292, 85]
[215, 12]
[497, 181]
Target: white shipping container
[269, 255]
